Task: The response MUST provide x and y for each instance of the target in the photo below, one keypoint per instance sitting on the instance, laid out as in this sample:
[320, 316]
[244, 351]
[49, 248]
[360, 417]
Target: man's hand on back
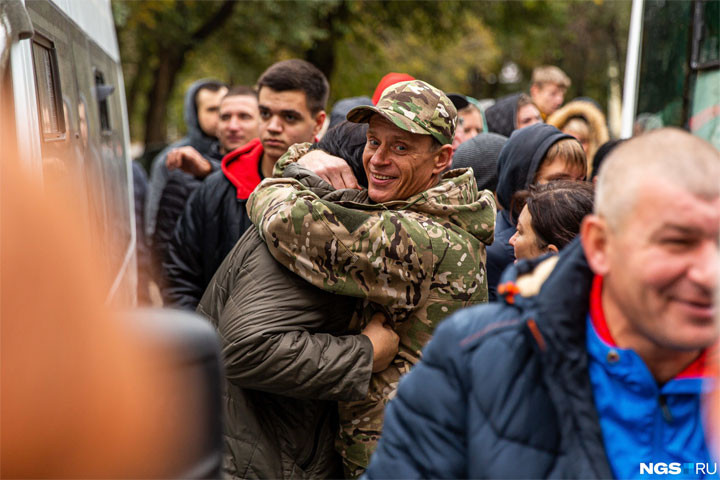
[384, 341]
[333, 170]
[189, 161]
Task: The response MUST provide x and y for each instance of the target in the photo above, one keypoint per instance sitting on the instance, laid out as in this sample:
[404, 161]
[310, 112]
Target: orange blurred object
[77, 387]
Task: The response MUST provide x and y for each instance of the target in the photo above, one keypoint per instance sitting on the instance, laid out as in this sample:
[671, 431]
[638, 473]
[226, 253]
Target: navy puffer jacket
[503, 389]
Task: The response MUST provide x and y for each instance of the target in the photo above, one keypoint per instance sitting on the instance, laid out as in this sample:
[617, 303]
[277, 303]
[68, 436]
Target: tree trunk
[137, 81]
[322, 53]
[165, 75]
[155, 118]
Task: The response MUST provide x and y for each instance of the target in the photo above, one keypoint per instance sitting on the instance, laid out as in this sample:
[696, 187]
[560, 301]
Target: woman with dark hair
[550, 217]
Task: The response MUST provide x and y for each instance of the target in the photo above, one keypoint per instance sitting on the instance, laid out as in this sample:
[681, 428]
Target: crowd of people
[415, 286]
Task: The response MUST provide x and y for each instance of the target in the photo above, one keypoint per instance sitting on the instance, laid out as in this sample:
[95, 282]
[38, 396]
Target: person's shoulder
[467, 332]
[210, 191]
[214, 184]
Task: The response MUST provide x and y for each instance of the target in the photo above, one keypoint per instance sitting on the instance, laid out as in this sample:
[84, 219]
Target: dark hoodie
[195, 138]
[502, 116]
[518, 163]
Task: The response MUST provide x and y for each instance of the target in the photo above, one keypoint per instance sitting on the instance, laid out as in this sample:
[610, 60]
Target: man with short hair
[548, 87]
[238, 124]
[415, 255]
[201, 107]
[291, 100]
[592, 364]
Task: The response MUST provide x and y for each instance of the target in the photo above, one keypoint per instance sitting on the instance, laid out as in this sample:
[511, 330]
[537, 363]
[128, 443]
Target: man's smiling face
[399, 164]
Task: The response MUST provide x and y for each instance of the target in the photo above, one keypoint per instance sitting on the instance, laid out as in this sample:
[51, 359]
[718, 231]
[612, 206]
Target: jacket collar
[698, 368]
[455, 198]
[241, 167]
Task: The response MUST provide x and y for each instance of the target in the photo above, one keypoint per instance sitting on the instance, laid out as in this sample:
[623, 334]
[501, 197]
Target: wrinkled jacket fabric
[517, 165]
[511, 396]
[214, 220]
[288, 358]
[195, 138]
[417, 260]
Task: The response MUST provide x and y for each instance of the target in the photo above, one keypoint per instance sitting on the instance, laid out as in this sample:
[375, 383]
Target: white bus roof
[95, 18]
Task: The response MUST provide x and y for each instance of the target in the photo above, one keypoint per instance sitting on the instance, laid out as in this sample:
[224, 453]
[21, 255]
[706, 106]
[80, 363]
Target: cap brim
[362, 114]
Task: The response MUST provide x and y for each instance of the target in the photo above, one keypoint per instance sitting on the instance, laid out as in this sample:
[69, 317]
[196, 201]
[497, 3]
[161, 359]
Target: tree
[457, 45]
[168, 31]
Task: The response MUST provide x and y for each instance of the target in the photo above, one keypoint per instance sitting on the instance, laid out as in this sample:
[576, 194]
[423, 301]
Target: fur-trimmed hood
[594, 117]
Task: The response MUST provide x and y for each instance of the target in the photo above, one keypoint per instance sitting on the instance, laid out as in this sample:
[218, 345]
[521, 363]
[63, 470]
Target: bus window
[664, 67]
[47, 83]
[102, 91]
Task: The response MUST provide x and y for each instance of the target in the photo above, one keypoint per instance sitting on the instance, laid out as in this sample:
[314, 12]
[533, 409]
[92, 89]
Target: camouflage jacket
[418, 260]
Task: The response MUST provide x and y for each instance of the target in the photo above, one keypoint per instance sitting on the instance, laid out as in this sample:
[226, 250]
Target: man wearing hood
[201, 115]
[536, 154]
[291, 98]
[416, 255]
[512, 113]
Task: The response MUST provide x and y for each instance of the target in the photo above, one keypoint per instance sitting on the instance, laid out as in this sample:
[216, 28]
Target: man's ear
[534, 90]
[319, 122]
[443, 159]
[552, 248]
[594, 233]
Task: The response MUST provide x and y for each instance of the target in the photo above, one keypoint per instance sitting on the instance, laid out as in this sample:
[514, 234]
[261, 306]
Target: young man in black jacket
[291, 96]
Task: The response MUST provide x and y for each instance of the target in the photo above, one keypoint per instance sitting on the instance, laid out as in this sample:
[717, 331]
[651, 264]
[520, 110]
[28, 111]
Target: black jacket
[213, 221]
[288, 358]
[177, 191]
[511, 396]
[517, 165]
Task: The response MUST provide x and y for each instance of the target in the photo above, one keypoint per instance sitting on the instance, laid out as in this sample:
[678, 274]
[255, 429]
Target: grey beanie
[481, 153]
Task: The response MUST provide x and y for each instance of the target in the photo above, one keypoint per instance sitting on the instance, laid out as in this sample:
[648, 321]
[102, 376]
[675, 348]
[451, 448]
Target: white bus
[62, 81]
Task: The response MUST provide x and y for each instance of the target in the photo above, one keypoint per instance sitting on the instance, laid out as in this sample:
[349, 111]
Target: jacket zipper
[667, 415]
[662, 418]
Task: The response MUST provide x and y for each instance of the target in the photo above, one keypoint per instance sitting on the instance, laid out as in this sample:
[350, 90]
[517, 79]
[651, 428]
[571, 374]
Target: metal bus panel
[59, 124]
[94, 17]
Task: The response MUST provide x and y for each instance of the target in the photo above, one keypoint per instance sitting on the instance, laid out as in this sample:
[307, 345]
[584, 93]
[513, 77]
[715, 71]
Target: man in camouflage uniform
[417, 254]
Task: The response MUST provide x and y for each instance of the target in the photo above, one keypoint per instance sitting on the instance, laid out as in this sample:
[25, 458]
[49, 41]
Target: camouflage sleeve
[294, 153]
[383, 256]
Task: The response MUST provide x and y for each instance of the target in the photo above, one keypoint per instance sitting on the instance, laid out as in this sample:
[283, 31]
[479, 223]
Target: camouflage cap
[415, 107]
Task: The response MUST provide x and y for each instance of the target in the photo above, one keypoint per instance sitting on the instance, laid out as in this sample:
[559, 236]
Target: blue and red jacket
[641, 421]
[504, 391]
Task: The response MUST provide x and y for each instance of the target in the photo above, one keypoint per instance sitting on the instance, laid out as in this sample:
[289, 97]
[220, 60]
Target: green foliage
[456, 45]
